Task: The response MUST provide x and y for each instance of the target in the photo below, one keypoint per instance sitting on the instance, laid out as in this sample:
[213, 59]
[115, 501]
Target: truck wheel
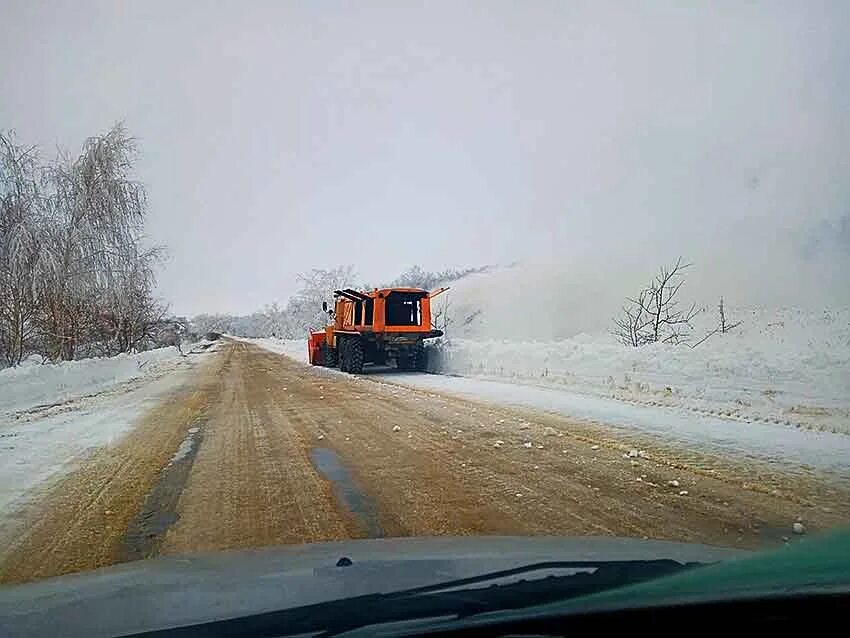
[404, 360]
[355, 356]
[342, 351]
[420, 358]
[328, 356]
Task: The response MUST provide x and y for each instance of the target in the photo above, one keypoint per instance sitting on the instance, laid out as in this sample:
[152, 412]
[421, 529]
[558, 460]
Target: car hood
[180, 590]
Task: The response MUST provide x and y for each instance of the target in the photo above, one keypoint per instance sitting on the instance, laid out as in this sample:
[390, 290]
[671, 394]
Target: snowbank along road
[718, 430]
[257, 449]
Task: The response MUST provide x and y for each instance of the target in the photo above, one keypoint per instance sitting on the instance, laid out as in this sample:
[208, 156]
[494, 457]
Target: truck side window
[370, 311]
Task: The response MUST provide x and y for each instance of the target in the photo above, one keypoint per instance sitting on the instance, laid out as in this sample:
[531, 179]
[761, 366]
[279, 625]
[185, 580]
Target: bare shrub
[655, 314]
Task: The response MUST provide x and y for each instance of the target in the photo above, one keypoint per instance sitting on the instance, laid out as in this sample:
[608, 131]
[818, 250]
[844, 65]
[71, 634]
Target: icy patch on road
[185, 447]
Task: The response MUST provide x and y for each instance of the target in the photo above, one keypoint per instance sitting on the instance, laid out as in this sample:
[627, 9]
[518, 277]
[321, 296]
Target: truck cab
[376, 326]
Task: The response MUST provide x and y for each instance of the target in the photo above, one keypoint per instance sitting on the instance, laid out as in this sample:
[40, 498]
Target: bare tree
[655, 314]
[21, 239]
[441, 318]
[632, 326]
[670, 323]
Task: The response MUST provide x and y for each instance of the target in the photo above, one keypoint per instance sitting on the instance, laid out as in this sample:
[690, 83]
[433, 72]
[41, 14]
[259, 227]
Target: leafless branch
[654, 315]
[441, 318]
[725, 326]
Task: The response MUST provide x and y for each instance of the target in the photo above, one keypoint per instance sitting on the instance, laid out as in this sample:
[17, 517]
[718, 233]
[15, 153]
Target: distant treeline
[303, 311]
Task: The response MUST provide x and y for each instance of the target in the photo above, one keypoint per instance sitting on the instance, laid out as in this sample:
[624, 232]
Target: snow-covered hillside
[789, 367]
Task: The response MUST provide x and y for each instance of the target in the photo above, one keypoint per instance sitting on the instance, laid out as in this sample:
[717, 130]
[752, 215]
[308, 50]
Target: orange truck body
[374, 327]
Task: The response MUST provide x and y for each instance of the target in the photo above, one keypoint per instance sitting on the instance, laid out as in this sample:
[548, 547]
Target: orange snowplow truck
[375, 327]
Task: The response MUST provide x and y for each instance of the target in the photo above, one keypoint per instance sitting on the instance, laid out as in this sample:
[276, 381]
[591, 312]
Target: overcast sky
[278, 136]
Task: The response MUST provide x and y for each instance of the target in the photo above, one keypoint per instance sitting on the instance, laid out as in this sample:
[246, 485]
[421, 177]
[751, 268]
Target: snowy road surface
[256, 449]
[782, 366]
[772, 442]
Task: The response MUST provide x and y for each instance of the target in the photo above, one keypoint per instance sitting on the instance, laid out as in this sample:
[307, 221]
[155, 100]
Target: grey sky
[274, 134]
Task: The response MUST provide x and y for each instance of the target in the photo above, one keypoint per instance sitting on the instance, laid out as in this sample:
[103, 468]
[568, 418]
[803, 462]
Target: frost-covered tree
[304, 308]
[21, 246]
[75, 276]
[97, 268]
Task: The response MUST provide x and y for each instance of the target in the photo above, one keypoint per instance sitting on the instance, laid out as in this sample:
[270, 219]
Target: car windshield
[432, 276]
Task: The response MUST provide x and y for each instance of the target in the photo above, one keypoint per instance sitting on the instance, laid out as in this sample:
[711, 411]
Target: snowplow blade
[314, 348]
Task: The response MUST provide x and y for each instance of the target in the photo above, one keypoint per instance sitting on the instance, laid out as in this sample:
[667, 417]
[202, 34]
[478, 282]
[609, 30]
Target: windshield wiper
[622, 571]
[456, 598]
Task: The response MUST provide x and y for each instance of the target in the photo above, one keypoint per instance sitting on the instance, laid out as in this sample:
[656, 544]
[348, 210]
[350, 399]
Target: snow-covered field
[51, 416]
[788, 367]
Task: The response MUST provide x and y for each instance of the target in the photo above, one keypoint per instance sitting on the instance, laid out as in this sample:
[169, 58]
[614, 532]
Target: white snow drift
[787, 367]
[31, 384]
